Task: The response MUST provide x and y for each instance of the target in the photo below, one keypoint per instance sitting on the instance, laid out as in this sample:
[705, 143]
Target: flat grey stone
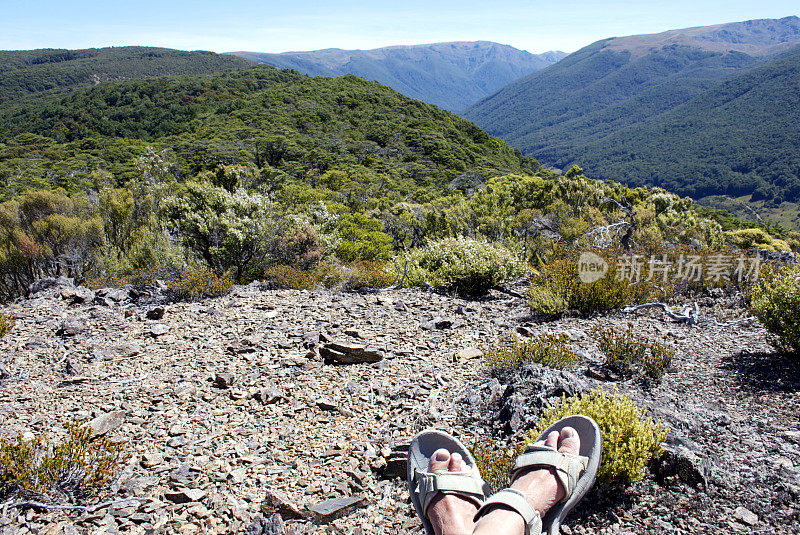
[105, 423]
[336, 507]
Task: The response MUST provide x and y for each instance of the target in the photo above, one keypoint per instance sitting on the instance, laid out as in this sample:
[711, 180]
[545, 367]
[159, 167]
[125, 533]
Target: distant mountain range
[702, 111]
[450, 75]
[27, 72]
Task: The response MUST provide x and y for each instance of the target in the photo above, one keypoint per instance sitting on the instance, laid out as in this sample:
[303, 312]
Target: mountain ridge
[451, 75]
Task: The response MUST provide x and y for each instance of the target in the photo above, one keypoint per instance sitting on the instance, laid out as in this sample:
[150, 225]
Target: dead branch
[399, 284]
[625, 241]
[602, 236]
[691, 315]
[512, 293]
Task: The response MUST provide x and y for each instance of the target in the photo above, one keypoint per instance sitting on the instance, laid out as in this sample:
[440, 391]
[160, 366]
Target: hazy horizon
[248, 25]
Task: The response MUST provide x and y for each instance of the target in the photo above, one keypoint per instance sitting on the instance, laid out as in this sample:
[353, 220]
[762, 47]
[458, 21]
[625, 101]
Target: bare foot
[450, 514]
[541, 488]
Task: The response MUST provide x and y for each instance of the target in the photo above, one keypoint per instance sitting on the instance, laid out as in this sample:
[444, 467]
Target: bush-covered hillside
[287, 125]
[27, 72]
[698, 113]
[738, 138]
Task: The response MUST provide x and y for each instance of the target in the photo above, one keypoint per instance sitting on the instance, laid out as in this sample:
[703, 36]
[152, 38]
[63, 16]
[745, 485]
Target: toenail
[441, 455]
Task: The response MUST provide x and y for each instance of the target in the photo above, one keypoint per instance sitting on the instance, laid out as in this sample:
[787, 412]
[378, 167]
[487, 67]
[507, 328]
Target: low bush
[197, 282]
[466, 265]
[364, 274]
[775, 300]
[625, 353]
[6, 324]
[354, 276]
[362, 238]
[630, 440]
[545, 301]
[184, 283]
[548, 349]
[749, 238]
[558, 288]
[74, 470]
[282, 276]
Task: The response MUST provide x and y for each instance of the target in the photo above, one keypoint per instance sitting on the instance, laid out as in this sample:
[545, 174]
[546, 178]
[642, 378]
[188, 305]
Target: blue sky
[272, 26]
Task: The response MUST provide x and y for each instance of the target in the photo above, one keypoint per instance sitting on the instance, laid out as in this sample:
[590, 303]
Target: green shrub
[6, 324]
[657, 360]
[362, 238]
[467, 265]
[621, 350]
[630, 441]
[558, 288]
[775, 300]
[548, 349]
[228, 231]
[624, 352]
[748, 238]
[74, 470]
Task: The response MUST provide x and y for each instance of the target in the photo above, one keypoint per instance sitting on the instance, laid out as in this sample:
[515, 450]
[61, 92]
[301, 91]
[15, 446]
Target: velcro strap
[516, 501]
[462, 483]
[568, 467]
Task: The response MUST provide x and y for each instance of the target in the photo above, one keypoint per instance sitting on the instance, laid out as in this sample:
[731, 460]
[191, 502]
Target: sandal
[423, 485]
[576, 473]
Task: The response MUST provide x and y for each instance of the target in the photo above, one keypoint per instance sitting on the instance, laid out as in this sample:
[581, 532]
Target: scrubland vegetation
[775, 300]
[260, 174]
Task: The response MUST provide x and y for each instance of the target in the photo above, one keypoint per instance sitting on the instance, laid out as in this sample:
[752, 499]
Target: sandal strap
[467, 484]
[568, 467]
[516, 501]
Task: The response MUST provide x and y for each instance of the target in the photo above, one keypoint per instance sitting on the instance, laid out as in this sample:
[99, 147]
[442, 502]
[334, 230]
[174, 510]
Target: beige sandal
[423, 486]
[576, 473]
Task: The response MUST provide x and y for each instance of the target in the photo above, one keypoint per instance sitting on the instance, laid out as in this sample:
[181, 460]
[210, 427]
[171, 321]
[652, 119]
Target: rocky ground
[299, 403]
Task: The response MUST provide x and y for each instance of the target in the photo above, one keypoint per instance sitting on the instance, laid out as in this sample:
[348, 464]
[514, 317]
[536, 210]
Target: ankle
[499, 520]
[541, 489]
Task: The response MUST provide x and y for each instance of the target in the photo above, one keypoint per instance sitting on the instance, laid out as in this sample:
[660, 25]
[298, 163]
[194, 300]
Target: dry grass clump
[183, 282]
[354, 276]
[199, 282]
